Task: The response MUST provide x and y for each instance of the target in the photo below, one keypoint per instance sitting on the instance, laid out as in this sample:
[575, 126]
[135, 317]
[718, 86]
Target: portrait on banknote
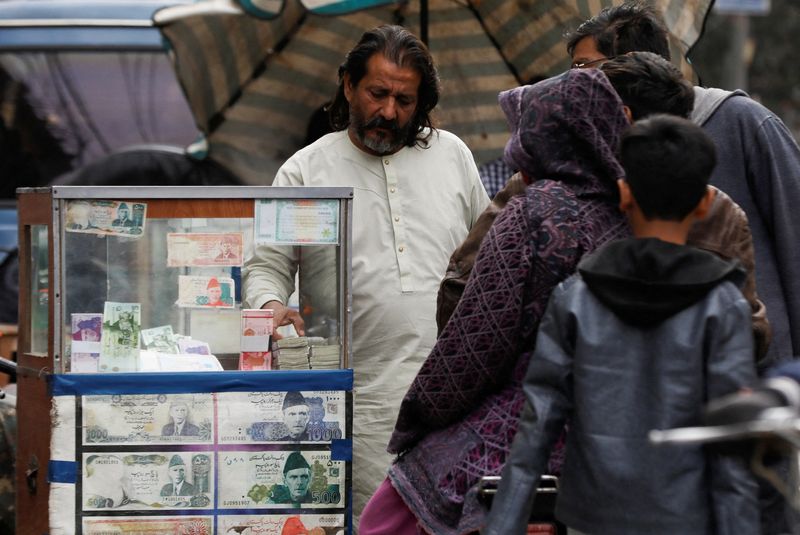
[294, 416]
[106, 217]
[282, 524]
[123, 216]
[147, 481]
[140, 419]
[178, 486]
[87, 330]
[205, 292]
[86, 327]
[179, 424]
[230, 250]
[205, 249]
[272, 479]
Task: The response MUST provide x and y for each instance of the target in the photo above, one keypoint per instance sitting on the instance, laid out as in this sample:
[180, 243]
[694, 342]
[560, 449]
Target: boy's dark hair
[667, 162]
[404, 49]
[649, 84]
[630, 27]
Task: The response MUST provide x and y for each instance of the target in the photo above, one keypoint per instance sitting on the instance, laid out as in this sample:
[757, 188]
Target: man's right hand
[283, 315]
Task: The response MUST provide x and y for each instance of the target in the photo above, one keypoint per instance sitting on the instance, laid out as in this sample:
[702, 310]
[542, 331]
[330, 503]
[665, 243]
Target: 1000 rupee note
[138, 419]
[253, 417]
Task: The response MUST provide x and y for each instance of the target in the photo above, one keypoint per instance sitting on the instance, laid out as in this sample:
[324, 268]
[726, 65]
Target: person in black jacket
[646, 332]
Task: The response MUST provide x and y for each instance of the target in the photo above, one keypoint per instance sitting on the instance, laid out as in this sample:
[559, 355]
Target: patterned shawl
[565, 126]
[458, 419]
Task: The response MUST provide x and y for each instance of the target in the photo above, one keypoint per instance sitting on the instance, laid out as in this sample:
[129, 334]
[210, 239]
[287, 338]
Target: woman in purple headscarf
[458, 419]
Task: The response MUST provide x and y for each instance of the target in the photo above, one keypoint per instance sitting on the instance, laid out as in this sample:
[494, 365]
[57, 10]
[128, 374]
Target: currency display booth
[151, 397]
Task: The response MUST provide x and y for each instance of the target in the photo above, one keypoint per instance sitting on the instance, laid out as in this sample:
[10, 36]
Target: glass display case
[134, 311]
[161, 269]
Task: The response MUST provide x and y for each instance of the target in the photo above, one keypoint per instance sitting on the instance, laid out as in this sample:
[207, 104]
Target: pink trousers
[387, 514]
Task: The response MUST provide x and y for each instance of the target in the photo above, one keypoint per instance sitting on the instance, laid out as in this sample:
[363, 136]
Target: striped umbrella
[255, 72]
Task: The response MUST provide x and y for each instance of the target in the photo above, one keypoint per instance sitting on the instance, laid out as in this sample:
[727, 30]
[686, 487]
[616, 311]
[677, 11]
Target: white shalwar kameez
[411, 209]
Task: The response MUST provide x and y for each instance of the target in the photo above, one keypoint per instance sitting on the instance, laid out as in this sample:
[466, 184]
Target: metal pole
[737, 60]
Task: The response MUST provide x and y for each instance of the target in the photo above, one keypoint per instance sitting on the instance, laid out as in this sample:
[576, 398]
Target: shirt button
[397, 219]
[386, 162]
[401, 248]
[391, 190]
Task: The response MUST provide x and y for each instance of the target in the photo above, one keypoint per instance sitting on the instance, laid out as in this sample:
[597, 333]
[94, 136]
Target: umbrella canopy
[253, 83]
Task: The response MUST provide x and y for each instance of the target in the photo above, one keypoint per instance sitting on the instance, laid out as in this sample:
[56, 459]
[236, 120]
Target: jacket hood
[566, 128]
[707, 100]
[645, 281]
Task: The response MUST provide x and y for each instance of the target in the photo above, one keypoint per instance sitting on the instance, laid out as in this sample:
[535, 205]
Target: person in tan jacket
[647, 84]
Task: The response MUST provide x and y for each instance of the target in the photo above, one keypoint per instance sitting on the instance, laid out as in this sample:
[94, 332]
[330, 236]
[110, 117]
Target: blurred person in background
[759, 161]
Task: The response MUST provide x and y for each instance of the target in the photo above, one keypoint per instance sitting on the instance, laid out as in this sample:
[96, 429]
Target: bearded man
[417, 193]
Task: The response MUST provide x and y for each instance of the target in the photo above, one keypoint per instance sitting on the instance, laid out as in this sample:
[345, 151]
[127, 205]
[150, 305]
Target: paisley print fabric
[565, 127]
[460, 415]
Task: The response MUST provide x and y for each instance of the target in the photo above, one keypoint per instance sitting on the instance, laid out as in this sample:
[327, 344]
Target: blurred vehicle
[9, 274]
[82, 80]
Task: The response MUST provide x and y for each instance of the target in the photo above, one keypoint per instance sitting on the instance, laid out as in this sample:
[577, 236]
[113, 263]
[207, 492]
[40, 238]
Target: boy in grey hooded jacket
[647, 332]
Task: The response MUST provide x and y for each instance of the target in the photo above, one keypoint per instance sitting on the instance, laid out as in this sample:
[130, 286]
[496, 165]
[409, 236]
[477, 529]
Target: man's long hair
[401, 47]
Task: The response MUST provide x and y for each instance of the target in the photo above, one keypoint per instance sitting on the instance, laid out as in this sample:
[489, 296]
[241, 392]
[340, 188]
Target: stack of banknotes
[324, 357]
[306, 352]
[291, 354]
